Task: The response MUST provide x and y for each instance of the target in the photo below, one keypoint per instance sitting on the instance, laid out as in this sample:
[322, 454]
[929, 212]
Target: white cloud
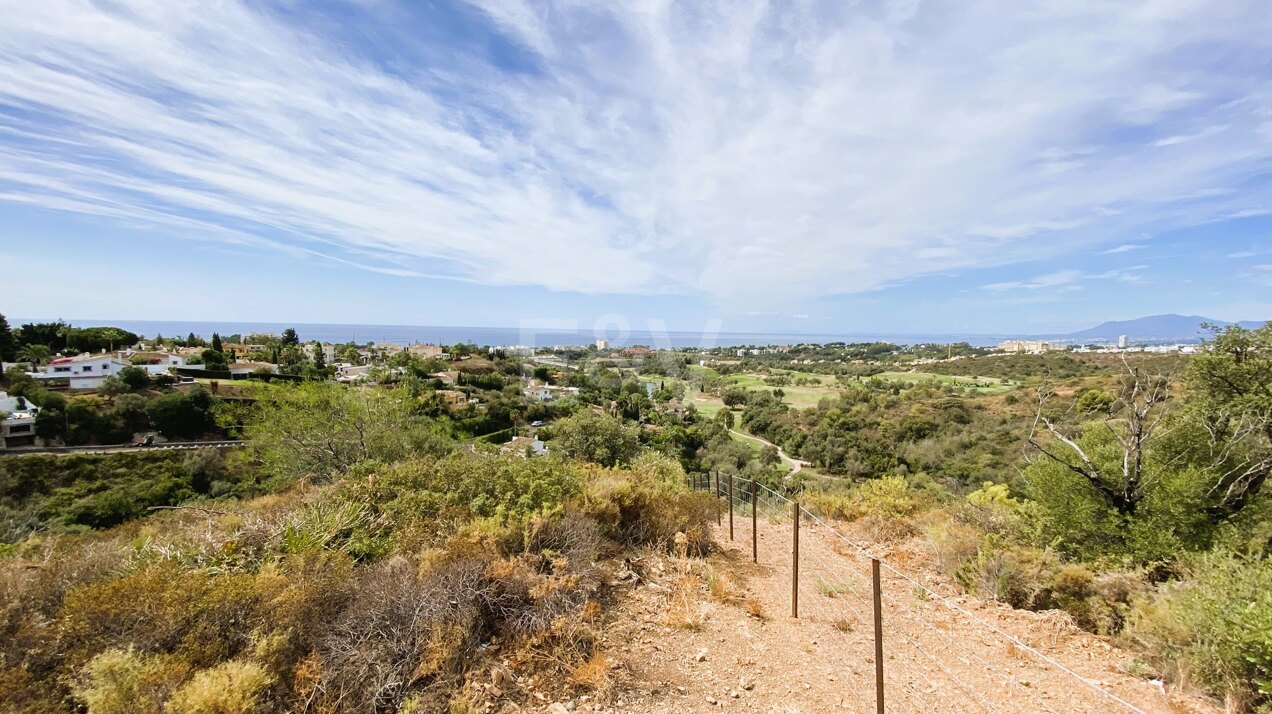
[1050, 280]
[1124, 248]
[1068, 279]
[756, 153]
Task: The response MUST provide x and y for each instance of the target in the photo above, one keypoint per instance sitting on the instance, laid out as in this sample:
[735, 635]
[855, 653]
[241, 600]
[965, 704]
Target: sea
[532, 335]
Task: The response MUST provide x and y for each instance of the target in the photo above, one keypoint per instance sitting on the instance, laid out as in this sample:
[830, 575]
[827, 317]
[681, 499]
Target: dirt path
[749, 655]
[795, 465]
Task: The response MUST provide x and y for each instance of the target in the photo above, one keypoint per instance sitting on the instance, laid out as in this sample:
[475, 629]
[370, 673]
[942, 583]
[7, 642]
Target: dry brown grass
[684, 609]
[755, 608]
[721, 586]
[593, 674]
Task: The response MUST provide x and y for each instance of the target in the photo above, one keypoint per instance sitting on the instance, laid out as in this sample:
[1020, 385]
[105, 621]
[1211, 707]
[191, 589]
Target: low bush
[649, 504]
[1213, 627]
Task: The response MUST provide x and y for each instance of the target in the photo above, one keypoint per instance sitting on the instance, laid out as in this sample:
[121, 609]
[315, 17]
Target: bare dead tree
[1134, 420]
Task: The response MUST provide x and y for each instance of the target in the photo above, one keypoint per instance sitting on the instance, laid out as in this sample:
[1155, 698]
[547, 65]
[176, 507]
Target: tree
[290, 337]
[1232, 380]
[8, 348]
[770, 456]
[1133, 420]
[179, 415]
[605, 440]
[214, 360]
[49, 334]
[35, 354]
[1153, 476]
[324, 429]
[725, 417]
[216, 342]
[17, 381]
[135, 377]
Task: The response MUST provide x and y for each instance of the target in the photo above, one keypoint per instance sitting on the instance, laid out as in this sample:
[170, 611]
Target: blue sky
[905, 166]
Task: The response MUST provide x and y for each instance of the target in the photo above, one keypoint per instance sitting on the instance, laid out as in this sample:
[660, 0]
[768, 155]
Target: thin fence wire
[835, 573]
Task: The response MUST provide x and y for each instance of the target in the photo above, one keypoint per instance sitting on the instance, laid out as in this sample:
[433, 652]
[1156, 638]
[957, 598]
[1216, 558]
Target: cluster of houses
[91, 369]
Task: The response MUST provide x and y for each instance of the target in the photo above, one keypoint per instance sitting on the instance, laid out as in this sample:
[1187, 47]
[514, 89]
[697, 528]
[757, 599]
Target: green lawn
[798, 397]
[982, 385]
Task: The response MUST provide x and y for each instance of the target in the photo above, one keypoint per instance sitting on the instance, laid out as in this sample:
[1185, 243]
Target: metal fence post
[730, 506]
[795, 559]
[878, 634]
[755, 543]
[717, 495]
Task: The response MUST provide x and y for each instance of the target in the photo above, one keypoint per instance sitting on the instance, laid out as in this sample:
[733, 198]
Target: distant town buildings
[1033, 347]
[602, 344]
[434, 351]
[1122, 342]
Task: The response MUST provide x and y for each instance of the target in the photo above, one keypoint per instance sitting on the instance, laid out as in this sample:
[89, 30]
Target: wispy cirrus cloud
[759, 153]
[1123, 248]
[1069, 279]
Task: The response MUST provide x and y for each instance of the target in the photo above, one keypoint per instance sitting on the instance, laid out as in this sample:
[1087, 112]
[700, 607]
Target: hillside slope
[745, 653]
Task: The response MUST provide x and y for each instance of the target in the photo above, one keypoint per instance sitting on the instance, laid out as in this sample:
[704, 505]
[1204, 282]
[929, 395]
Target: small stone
[701, 656]
[747, 684]
[712, 700]
[558, 708]
[734, 693]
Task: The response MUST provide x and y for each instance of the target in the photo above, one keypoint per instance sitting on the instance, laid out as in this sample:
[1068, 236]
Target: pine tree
[6, 340]
[216, 342]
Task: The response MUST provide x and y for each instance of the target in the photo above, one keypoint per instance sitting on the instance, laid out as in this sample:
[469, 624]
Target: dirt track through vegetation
[748, 654]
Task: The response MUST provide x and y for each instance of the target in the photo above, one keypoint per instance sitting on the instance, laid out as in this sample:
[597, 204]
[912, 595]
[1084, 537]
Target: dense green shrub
[103, 490]
[1213, 626]
[601, 439]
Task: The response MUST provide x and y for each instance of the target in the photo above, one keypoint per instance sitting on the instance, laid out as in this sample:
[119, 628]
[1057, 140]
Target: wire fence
[902, 645]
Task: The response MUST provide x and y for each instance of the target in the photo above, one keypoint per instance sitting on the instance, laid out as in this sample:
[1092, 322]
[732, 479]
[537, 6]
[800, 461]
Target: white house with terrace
[86, 371]
[154, 362]
[17, 421]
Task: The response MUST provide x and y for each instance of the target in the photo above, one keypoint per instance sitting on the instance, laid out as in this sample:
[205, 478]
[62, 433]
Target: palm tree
[37, 355]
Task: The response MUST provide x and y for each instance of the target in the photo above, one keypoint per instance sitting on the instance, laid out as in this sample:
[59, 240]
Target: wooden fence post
[878, 634]
[795, 559]
[755, 543]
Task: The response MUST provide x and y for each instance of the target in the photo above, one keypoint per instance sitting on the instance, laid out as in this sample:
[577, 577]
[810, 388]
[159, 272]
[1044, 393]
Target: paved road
[120, 448]
[793, 464]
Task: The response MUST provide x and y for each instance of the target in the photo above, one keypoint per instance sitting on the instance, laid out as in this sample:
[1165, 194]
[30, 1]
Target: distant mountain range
[1155, 327]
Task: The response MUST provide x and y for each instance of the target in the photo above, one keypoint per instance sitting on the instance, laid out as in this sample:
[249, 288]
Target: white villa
[17, 421]
[86, 371]
[548, 392]
[154, 362]
[244, 368]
